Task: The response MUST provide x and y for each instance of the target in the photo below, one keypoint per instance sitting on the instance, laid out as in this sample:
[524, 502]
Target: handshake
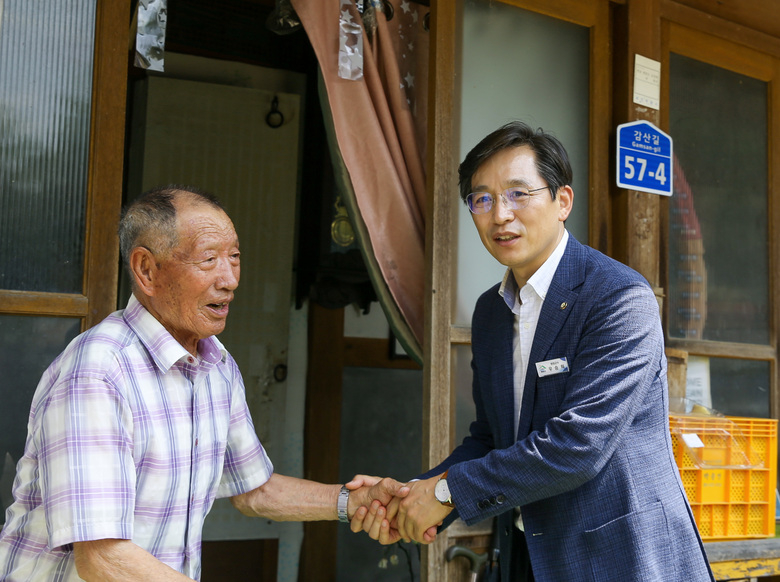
[389, 511]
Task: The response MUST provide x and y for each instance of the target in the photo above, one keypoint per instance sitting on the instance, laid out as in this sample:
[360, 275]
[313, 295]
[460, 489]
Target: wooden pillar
[438, 401]
[637, 215]
[322, 438]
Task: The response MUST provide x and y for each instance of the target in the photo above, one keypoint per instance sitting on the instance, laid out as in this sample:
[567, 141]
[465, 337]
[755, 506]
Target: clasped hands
[390, 511]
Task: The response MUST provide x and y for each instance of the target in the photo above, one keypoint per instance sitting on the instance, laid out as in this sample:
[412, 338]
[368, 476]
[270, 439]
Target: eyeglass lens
[513, 198]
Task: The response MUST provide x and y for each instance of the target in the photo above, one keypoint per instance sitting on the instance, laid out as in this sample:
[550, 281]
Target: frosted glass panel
[718, 229]
[521, 65]
[28, 344]
[45, 98]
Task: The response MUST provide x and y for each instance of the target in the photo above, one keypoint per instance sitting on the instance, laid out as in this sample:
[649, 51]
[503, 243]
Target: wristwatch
[442, 491]
[341, 505]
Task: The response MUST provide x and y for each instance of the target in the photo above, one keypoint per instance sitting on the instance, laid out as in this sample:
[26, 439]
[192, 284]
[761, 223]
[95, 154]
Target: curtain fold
[378, 123]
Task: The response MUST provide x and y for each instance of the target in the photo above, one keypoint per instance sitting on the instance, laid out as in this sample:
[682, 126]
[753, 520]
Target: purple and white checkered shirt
[129, 437]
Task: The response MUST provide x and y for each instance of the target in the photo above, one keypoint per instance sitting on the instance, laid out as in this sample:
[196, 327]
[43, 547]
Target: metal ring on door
[274, 118]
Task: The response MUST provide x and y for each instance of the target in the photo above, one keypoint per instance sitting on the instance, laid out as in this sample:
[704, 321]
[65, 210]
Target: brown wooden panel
[362, 352]
[460, 335]
[725, 349]
[760, 15]
[106, 158]
[774, 235]
[228, 561]
[322, 434]
[574, 11]
[695, 15]
[438, 402]
[636, 215]
[720, 52]
[37, 303]
[599, 204]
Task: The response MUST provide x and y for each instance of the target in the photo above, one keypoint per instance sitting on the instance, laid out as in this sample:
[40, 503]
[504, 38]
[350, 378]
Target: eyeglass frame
[507, 202]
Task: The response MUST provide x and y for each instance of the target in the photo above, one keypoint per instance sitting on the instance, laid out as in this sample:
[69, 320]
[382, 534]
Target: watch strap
[341, 504]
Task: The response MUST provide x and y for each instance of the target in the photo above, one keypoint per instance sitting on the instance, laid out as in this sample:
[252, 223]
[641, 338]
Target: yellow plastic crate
[728, 467]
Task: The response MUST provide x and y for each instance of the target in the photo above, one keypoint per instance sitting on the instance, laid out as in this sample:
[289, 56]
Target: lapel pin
[564, 305]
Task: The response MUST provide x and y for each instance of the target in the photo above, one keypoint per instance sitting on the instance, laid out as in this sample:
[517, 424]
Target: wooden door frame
[441, 335]
[104, 183]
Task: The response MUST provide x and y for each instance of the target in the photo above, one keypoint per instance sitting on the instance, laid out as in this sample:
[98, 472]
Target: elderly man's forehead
[202, 223]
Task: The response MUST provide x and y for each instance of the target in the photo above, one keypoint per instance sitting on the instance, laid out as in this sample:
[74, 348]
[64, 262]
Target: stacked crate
[728, 467]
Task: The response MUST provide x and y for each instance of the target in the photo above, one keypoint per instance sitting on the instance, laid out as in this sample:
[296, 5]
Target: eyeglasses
[514, 198]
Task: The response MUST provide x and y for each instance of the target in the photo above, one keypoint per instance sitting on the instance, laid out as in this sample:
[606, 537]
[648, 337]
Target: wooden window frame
[721, 43]
[441, 336]
[104, 183]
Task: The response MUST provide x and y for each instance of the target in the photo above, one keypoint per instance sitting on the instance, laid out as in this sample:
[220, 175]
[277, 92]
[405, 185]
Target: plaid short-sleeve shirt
[129, 437]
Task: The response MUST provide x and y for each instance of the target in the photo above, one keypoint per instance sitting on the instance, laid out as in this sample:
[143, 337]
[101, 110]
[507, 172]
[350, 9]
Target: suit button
[500, 499]
[482, 505]
[506, 531]
[492, 501]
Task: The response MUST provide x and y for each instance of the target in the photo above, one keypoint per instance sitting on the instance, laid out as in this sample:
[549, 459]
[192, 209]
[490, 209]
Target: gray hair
[150, 220]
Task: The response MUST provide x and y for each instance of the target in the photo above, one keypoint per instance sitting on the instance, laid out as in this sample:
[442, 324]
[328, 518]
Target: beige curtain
[378, 124]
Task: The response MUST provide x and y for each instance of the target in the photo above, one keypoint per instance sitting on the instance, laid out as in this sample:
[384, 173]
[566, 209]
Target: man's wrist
[341, 505]
[441, 491]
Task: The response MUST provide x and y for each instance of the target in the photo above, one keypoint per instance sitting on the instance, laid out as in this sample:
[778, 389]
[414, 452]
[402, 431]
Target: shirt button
[196, 442]
[190, 359]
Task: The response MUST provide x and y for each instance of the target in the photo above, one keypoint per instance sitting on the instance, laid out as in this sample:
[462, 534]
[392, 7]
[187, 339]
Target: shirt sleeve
[246, 465]
[87, 475]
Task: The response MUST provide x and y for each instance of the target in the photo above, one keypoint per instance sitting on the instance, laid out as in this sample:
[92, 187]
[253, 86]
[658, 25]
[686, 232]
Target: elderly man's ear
[144, 268]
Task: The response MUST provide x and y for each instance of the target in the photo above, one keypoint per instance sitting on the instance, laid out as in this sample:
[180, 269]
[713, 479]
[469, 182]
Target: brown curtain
[378, 126]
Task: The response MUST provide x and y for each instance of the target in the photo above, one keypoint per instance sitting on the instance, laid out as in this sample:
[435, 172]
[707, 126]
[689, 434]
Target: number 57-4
[630, 170]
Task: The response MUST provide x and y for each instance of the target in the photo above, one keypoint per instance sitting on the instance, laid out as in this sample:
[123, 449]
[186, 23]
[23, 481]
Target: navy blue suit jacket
[592, 465]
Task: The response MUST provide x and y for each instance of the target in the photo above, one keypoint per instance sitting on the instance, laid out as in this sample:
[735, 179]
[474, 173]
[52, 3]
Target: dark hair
[150, 220]
[552, 161]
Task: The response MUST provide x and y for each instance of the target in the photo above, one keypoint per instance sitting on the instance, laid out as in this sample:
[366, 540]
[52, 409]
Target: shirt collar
[161, 345]
[540, 281]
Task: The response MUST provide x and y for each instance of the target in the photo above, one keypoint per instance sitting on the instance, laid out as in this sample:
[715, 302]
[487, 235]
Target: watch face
[442, 491]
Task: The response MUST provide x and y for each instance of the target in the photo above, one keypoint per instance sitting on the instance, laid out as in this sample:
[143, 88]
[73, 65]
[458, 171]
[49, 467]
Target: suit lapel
[557, 305]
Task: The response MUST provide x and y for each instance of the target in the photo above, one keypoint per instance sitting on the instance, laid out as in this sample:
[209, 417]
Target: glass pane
[519, 85]
[465, 411]
[718, 247]
[730, 386]
[45, 98]
[388, 443]
[28, 344]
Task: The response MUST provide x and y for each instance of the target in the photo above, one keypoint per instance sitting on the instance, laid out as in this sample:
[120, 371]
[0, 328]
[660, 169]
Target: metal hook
[274, 118]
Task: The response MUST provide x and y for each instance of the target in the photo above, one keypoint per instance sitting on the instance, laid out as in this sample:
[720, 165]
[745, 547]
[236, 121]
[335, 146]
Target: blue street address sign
[644, 158]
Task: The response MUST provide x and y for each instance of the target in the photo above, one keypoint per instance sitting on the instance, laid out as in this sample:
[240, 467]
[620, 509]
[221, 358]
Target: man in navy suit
[570, 448]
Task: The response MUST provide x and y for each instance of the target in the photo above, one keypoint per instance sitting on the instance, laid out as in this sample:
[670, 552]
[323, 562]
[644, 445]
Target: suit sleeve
[614, 345]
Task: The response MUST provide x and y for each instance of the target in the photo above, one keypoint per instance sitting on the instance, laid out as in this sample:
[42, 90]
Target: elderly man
[570, 449]
[142, 421]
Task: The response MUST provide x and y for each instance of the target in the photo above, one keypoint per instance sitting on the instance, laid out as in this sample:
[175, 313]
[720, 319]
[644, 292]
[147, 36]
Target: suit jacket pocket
[636, 546]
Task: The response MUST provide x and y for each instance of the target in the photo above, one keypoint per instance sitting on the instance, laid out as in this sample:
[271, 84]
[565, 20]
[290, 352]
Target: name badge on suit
[551, 367]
